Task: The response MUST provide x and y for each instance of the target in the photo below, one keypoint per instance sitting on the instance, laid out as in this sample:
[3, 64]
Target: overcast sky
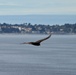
[26, 7]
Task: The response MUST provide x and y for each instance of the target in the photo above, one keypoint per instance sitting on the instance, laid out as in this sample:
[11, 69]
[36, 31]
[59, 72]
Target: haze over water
[55, 56]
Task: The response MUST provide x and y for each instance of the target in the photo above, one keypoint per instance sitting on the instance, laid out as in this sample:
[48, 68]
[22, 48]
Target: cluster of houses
[39, 29]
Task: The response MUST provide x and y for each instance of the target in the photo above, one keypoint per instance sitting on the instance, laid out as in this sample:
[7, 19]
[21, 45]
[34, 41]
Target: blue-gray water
[38, 19]
[55, 56]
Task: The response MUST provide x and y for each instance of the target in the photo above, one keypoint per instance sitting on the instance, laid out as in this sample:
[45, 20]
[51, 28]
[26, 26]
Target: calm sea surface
[38, 19]
[55, 56]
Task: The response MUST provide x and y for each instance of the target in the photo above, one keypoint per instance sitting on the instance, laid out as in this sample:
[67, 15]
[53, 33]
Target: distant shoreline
[28, 28]
[33, 34]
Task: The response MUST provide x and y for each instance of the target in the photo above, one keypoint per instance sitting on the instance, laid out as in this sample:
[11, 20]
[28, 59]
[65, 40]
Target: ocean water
[55, 56]
[38, 19]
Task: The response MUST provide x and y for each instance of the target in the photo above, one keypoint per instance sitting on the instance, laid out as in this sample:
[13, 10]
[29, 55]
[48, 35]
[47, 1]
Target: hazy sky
[26, 7]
